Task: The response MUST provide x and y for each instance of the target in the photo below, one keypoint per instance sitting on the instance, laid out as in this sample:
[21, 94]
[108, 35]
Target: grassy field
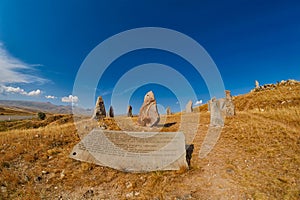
[256, 157]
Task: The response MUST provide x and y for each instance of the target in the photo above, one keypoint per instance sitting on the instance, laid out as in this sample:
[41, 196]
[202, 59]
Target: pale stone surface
[226, 104]
[169, 111]
[229, 105]
[256, 84]
[111, 112]
[99, 111]
[148, 115]
[129, 111]
[189, 107]
[133, 151]
[216, 117]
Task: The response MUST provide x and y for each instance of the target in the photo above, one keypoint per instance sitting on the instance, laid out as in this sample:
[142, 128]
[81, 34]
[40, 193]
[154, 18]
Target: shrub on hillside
[41, 115]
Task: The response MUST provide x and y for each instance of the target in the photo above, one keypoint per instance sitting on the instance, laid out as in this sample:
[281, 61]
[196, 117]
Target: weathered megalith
[148, 115]
[189, 107]
[256, 84]
[229, 105]
[99, 111]
[129, 111]
[169, 111]
[111, 112]
[216, 117]
[226, 104]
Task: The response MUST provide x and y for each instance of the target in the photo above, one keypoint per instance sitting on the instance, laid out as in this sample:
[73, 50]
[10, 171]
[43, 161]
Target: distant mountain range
[31, 106]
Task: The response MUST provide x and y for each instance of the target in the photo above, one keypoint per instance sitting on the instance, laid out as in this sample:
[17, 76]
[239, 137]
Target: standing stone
[256, 84]
[169, 111]
[129, 111]
[99, 111]
[189, 107]
[216, 118]
[111, 112]
[148, 115]
[229, 105]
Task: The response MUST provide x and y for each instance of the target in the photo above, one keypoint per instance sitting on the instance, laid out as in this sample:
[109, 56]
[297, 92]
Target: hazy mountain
[47, 107]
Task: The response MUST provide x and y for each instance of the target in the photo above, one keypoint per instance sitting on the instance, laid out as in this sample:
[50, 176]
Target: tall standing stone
[99, 111]
[216, 117]
[129, 111]
[148, 115]
[169, 111]
[189, 107]
[111, 112]
[229, 105]
[256, 84]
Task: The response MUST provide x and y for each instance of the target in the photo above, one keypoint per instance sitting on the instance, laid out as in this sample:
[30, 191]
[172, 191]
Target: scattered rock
[3, 189]
[128, 185]
[88, 194]
[129, 195]
[274, 86]
[38, 178]
[148, 115]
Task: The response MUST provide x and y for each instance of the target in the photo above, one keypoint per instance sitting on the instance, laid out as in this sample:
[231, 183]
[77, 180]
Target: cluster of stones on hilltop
[289, 82]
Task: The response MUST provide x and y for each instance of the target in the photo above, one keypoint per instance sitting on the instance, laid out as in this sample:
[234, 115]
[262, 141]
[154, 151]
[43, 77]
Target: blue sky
[43, 44]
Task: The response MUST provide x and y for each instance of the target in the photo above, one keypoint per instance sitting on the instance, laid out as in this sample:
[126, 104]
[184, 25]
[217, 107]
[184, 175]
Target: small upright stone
[256, 84]
[99, 111]
[129, 111]
[111, 112]
[169, 111]
[148, 115]
[189, 107]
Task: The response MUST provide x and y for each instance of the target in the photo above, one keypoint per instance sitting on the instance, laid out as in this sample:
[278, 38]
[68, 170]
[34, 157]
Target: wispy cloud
[50, 97]
[198, 103]
[18, 90]
[70, 99]
[13, 70]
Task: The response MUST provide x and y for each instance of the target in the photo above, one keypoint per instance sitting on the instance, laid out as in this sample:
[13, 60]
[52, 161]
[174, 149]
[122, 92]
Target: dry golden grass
[256, 157]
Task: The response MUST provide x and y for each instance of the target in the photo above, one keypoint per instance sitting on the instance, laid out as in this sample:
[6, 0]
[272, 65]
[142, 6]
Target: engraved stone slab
[133, 151]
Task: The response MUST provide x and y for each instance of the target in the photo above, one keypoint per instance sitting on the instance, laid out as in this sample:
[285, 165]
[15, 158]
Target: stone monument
[216, 117]
[169, 111]
[129, 111]
[133, 151]
[99, 111]
[256, 84]
[111, 112]
[189, 107]
[226, 104]
[148, 115]
[229, 105]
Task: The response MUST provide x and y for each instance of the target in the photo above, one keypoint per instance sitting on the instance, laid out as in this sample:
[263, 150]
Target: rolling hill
[256, 157]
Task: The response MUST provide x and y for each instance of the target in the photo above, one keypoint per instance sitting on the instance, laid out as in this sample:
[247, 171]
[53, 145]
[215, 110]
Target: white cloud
[12, 69]
[50, 97]
[34, 93]
[70, 99]
[198, 103]
[17, 90]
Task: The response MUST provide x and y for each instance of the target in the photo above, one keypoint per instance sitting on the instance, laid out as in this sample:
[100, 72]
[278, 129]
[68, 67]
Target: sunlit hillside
[256, 157]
